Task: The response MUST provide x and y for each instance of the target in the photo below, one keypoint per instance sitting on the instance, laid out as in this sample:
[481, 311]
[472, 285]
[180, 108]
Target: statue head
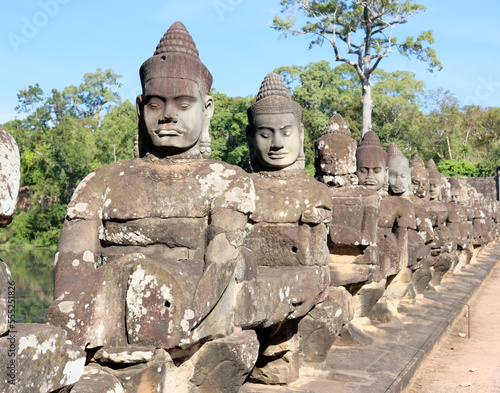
[399, 171]
[275, 131]
[371, 162]
[445, 189]
[435, 181]
[419, 178]
[455, 191]
[335, 161]
[174, 109]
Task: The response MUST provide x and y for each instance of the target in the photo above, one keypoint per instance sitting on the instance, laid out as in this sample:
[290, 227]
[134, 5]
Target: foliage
[360, 33]
[115, 139]
[97, 89]
[227, 129]
[60, 144]
[462, 168]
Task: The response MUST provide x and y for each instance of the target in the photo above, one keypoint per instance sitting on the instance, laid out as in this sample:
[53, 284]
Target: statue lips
[168, 131]
[277, 156]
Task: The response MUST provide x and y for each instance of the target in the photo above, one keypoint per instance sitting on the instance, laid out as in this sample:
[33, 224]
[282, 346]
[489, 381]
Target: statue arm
[226, 236]
[77, 253]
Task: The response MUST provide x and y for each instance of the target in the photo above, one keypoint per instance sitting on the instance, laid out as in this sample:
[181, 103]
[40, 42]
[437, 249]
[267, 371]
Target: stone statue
[444, 245]
[420, 181]
[399, 172]
[150, 246]
[419, 178]
[371, 163]
[459, 224]
[352, 240]
[287, 234]
[435, 182]
[335, 160]
[396, 218]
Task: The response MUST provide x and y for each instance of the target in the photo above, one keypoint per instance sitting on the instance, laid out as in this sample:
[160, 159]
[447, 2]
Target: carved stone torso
[158, 205]
[287, 235]
[291, 210]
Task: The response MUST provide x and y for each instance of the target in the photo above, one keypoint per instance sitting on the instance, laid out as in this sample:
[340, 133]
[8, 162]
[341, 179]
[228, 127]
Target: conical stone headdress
[176, 56]
[335, 149]
[370, 146]
[273, 97]
[432, 170]
[417, 166]
[395, 156]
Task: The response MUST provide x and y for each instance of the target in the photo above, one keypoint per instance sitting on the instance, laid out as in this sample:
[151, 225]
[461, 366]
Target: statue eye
[264, 135]
[153, 105]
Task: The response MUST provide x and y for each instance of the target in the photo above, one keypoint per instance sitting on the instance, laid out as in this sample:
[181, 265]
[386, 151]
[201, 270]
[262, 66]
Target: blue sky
[55, 42]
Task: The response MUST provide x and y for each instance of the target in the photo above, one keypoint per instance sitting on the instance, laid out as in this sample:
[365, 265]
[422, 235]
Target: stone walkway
[392, 360]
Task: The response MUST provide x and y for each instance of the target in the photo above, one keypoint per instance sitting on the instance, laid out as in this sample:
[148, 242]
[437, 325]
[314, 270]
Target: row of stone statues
[175, 272]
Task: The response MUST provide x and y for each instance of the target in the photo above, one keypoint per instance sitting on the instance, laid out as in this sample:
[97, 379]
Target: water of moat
[32, 271]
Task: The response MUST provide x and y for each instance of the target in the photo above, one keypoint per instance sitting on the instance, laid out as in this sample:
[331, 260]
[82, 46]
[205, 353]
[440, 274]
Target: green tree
[60, 144]
[323, 91]
[361, 35]
[227, 128]
[397, 98]
[96, 91]
[115, 137]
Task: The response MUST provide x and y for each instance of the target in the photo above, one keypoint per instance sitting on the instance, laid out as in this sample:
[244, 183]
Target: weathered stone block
[442, 265]
[318, 330]
[288, 244]
[278, 362]
[97, 380]
[125, 355]
[366, 298]
[340, 296]
[93, 313]
[159, 302]
[223, 365]
[41, 360]
[278, 294]
[422, 278]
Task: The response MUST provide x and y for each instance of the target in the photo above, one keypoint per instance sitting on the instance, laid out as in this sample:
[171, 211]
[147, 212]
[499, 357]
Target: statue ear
[209, 107]
[138, 106]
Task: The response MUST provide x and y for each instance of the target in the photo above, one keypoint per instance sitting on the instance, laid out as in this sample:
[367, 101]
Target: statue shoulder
[229, 184]
[87, 199]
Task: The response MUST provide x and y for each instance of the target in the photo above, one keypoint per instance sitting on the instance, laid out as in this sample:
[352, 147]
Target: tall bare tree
[360, 33]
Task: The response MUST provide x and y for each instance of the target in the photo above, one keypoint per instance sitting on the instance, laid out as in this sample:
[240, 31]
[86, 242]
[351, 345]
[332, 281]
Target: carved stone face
[371, 172]
[399, 178]
[434, 189]
[175, 113]
[276, 140]
[420, 183]
[455, 195]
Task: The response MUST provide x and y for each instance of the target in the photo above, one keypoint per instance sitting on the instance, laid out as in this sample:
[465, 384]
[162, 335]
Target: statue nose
[169, 114]
[277, 141]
